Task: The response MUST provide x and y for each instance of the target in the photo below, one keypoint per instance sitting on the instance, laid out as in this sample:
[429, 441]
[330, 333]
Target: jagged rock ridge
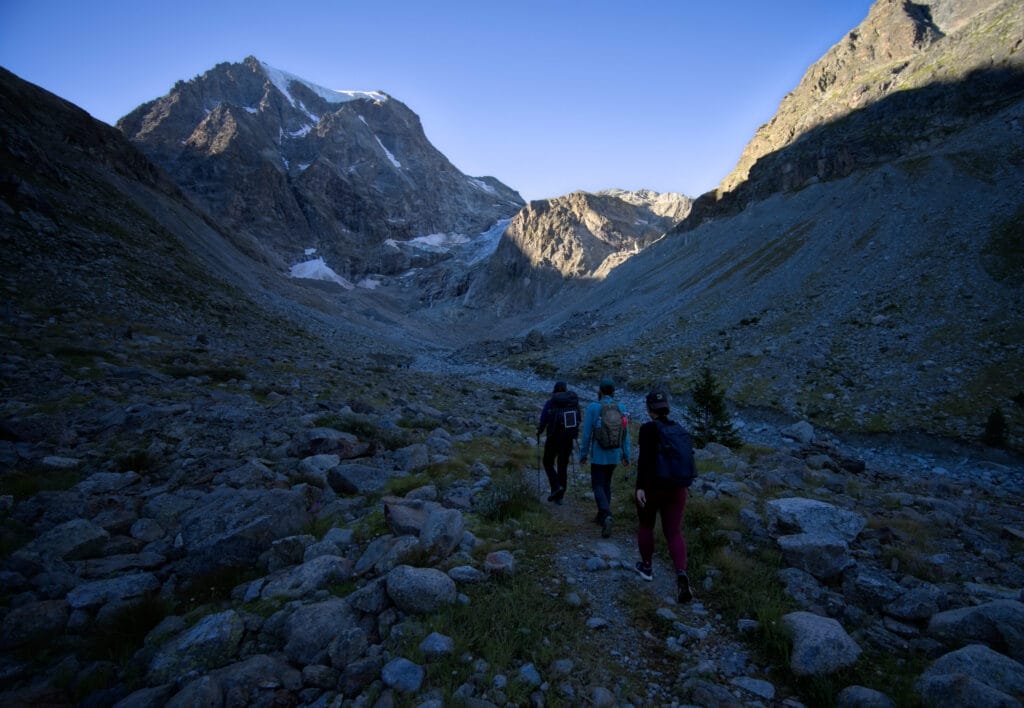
[575, 237]
[909, 76]
[299, 166]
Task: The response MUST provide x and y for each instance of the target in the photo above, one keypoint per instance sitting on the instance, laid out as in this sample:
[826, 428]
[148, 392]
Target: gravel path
[669, 646]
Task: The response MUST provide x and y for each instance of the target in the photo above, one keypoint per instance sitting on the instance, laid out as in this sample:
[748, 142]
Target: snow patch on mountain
[482, 185]
[317, 269]
[387, 152]
[283, 80]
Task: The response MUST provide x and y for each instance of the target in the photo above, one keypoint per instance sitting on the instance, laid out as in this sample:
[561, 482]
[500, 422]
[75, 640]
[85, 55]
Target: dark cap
[560, 386]
[606, 382]
[656, 400]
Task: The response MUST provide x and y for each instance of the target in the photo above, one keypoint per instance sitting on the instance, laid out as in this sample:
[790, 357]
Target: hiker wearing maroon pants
[656, 497]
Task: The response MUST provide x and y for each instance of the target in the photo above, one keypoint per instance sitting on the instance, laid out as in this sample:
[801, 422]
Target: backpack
[673, 466]
[564, 416]
[610, 425]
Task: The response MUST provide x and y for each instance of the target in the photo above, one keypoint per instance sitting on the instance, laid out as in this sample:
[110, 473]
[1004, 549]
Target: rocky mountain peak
[575, 237]
[302, 167]
[899, 47]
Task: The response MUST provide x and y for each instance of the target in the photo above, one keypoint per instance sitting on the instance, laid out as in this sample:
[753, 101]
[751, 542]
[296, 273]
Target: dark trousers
[601, 483]
[557, 451]
[670, 505]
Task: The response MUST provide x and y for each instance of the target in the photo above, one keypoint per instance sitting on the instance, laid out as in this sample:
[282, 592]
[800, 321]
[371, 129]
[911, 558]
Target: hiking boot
[606, 526]
[685, 591]
[644, 570]
[553, 496]
[558, 494]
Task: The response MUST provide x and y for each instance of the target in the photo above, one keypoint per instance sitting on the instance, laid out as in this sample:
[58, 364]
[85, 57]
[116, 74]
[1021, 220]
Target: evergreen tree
[995, 429]
[707, 417]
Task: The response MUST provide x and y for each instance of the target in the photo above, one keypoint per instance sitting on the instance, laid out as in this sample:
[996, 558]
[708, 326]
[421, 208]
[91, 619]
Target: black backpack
[674, 466]
[564, 416]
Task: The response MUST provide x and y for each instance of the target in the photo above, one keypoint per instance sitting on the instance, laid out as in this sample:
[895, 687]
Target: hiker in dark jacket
[604, 457]
[560, 417]
[659, 497]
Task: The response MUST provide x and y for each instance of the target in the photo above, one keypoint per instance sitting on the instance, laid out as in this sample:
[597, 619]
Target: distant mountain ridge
[300, 167]
[905, 79]
[577, 237]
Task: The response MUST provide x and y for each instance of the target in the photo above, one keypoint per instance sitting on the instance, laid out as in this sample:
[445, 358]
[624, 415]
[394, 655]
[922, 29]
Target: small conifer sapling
[708, 417]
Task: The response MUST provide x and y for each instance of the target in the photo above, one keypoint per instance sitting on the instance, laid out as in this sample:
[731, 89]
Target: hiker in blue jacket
[605, 443]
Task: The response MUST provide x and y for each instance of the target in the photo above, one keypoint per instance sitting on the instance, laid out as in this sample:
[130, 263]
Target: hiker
[560, 417]
[605, 443]
[661, 489]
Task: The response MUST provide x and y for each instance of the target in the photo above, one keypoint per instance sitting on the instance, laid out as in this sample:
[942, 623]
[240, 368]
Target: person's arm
[645, 460]
[543, 423]
[585, 440]
[627, 452]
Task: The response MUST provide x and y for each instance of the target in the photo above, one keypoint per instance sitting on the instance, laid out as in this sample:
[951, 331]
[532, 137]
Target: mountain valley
[223, 484]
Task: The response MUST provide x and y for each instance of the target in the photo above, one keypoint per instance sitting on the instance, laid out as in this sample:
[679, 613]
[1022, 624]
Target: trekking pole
[538, 465]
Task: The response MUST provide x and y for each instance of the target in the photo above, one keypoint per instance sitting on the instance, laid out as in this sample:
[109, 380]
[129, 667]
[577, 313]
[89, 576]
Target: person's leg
[645, 517]
[550, 451]
[671, 523]
[671, 507]
[599, 483]
[565, 449]
[606, 483]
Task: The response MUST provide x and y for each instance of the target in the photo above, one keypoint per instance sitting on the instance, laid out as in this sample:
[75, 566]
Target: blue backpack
[674, 466]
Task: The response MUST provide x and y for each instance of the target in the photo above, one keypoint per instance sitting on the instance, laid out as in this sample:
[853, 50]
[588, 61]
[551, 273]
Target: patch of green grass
[124, 634]
[215, 585]
[27, 480]
[509, 496]
[400, 486]
[367, 428]
[1004, 249]
[370, 525]
[912, 542]
[318, 526]
[136, 460]
[261, 608]
[78, 357]
[13, 535]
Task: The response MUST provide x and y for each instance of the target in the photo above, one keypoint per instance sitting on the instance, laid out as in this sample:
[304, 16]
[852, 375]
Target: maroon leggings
[670, 504]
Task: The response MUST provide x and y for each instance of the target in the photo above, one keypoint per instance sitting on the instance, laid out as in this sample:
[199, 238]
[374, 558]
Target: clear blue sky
[547, 96]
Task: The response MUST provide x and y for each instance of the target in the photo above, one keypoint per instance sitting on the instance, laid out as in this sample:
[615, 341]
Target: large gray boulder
[442, 532]
[820, 644]
[352, 478]
[918, 603]
[998, 624]
[311, 629]
[234, 526]
[112, 590]
[241, 683]
[811, 516]
[420, 590]
[72, 540]
[303, 580]
[326, 441]
[210, 643]
[824, 557]
[32, 622]
[402, 675]
[408, 516]
[974, 675]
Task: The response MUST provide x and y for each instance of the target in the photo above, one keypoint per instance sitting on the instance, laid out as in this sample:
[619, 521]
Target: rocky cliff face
[908, 77]
[580, 236]
[299, 166]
